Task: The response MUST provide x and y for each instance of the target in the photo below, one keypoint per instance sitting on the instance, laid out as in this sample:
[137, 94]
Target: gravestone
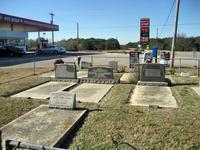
[66, 71]
[100, 72]
[153, 73]
[64, 100]
[85, 65]
[114, 65]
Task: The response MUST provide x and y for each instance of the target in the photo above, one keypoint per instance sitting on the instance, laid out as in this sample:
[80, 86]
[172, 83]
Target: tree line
[84, 44]
[183, 43]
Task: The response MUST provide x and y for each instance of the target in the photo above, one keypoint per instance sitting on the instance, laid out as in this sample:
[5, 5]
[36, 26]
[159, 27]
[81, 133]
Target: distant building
[14, 30]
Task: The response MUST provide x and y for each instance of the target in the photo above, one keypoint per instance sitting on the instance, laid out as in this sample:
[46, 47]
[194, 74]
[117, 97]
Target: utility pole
[52, 15]
[77, 31]
[156, 33]
[175, 33]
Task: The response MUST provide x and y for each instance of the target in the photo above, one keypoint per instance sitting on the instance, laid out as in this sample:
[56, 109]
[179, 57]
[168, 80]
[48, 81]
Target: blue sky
[106, 18]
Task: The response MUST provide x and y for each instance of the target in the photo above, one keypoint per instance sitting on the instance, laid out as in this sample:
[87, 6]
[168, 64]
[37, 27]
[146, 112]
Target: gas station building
[14, 30]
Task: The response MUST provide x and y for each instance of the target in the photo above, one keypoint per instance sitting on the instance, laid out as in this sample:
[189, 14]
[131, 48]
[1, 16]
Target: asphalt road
[98, 58]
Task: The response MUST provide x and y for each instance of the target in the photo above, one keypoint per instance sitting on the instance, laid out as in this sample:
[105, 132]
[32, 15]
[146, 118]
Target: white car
[52, 50]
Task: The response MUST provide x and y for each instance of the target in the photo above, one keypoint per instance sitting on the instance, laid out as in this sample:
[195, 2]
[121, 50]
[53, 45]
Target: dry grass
[10, 109]
[166, 129]
[14, 87]
[12, 74]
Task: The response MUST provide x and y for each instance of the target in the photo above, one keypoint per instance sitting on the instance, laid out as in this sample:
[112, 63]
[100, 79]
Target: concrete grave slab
[42, 126]
[43, 91]
[88, 92]
[197, 90]
[127, 78]
[153, 95]
[80, 74]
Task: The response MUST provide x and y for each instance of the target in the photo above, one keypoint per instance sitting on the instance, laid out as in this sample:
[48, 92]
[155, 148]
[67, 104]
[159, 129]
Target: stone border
[99, 81]
[66, 135]
[65, 80]
[145, 83]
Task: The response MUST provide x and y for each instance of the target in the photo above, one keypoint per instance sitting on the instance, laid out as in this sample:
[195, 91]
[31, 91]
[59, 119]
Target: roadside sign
[133, 59]
[144, 31]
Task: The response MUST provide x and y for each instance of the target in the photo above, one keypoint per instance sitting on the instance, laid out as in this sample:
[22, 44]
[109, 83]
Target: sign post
[155, 53]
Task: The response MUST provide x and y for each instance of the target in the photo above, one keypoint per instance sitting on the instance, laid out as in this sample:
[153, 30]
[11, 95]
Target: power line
[131, 27]
[167, 18]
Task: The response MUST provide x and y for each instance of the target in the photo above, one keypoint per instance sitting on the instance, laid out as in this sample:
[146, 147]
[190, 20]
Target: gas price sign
[144, 31]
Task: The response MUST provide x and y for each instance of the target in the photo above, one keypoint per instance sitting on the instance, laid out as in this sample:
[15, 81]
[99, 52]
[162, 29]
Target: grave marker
[85, 65]
[114, 65]
[153, 73]
[66, 71]
[100, 72]
[64, 100]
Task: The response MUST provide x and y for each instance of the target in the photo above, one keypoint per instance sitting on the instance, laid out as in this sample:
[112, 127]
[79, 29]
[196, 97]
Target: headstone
[85, 65]
[66, 71]
[64, 100]
[100, 72]
[153, 73]
[69, 62]
[114, 65]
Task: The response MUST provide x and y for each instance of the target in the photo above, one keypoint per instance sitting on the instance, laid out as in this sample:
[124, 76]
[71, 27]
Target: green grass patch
[185, 80]
[145, 128]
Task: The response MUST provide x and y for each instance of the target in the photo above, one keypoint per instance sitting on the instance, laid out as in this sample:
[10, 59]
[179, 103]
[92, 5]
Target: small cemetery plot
[43, 126]
[153, 95]
[88, 92]
[43, 91]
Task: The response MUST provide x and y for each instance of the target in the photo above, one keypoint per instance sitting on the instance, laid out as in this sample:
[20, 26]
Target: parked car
[52, 50]
[11, 51]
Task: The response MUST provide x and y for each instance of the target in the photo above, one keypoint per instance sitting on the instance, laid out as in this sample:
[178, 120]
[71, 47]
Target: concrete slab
[153, 95]
[127, 78]
[43, 91]
[42, 126]
[80, 74]
[88, 92]
[197, 90]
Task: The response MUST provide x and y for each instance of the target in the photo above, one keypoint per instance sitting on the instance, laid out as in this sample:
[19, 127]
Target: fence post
[198, 66]
[1, 147]
[179, 65]
[34, 59]
[92, 60]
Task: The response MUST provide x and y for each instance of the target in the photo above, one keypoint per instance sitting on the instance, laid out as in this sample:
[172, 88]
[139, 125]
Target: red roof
[40, 26]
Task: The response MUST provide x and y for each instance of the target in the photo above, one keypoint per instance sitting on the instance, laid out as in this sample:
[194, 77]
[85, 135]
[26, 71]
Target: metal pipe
[11, 144]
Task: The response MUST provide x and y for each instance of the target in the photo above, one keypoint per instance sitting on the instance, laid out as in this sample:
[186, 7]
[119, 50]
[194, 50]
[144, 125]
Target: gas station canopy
[18, 24]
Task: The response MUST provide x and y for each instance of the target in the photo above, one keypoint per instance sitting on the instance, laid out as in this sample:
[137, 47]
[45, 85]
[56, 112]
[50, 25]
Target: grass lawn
[17, 86]
[12, 74]
[145, 128]
[11, 109]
